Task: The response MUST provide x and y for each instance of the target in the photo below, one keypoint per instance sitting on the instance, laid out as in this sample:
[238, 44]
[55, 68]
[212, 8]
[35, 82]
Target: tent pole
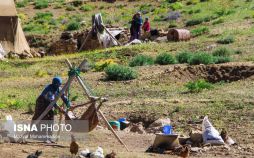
[88, 35]
[112, 36]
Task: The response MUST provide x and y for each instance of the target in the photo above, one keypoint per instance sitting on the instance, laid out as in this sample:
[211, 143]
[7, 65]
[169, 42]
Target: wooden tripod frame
[87, 93]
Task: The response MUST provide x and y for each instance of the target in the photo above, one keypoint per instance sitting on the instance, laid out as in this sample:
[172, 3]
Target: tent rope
[75, 71]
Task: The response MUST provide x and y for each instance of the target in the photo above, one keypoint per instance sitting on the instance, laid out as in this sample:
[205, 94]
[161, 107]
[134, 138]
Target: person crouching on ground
[136, 24]
[48, 95]
[146, 29]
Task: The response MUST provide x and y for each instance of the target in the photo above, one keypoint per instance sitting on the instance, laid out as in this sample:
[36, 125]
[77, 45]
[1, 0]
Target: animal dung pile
[66, 44]
[178, 35]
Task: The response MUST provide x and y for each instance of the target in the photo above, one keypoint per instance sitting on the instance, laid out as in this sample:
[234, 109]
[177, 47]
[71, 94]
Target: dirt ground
[137, 143]
[127, 106]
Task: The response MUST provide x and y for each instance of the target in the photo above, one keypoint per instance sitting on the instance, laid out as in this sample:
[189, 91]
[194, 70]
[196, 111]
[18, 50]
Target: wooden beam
[120, 44]
[99, 111]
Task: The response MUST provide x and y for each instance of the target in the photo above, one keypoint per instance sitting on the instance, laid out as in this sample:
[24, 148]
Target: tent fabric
[21, 45]
[12, 37]
[2, 52]
[7, 8]
[103, 36]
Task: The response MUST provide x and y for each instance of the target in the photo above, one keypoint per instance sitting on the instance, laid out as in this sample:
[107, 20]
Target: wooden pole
[88, 35]
[102, 115]
[120, 44]
[112, 130]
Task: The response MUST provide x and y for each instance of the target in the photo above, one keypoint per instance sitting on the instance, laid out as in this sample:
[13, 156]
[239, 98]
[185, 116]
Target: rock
[137, 128]
[158, 125]
[196, 149]
[196, 137]
[161, 39]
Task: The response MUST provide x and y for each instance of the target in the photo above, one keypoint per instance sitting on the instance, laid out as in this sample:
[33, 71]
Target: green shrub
[22, 3]
[145, 8]
[218, 21]
[165, 59]
[120, 73]
[198, 86]
[86, 7]
[184, 57]
[176, 6]
[35, 28]
[194, 22]
[171, 1]
[172, 24]
[226, 40]
[192, 2]
[221, 59]
[40, 4]
[222, 51]
[201, 58]
[73, 26]
[15, 104]
[70, 8]
[43, 15]
[199, 31]
[141, 60]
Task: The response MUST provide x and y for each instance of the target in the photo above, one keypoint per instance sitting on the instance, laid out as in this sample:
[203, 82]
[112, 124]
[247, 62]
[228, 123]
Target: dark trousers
[48, 119]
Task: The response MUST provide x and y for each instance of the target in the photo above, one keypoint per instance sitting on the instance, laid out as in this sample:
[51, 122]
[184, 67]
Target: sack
[210, 134]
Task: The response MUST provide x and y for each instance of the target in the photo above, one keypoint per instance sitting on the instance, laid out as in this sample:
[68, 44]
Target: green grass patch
[201, 58]
[226, 40]
[73, 25]
[218, 21]
[141, 60]
[199, 31]
[184, 57]
[221, 59]
[86, 7]
[176, 6]
[222, 51]
[194, 22]
[70, 8]
[198, 86]
[22, 4]
[41, 4]
[120, 73]
[165, 59]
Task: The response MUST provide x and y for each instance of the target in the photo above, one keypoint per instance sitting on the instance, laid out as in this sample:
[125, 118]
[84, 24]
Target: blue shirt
[50, 92]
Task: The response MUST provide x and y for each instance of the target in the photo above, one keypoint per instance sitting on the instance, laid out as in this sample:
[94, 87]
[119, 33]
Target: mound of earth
[212, 73]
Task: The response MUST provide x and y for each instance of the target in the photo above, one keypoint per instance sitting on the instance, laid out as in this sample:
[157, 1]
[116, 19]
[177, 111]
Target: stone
[196, 137]
[157, 126]
[138, 128]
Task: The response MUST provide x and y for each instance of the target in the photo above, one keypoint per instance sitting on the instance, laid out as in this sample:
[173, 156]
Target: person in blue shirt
[48, 95]
[136, 25]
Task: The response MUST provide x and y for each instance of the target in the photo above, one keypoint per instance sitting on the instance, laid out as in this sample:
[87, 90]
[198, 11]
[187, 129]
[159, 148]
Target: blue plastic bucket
[167, 129]
[122, 119]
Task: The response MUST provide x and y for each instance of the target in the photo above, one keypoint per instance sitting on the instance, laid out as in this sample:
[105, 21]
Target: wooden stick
[88, 35]
[80, 105]
[88, 93]
[112, 130]
[92, 98]
[120, 44]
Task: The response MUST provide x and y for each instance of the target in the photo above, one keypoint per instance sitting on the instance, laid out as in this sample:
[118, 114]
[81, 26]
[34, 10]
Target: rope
[75, 71]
